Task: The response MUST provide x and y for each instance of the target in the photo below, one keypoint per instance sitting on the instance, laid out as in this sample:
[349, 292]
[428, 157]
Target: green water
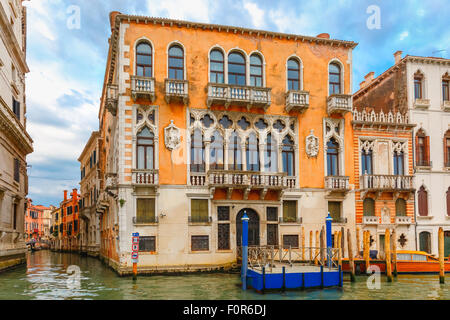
[46, 277]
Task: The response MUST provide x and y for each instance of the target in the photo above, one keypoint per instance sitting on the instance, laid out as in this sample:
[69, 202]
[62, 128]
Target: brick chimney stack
[65, 195]
[369, 77]
[398, 56]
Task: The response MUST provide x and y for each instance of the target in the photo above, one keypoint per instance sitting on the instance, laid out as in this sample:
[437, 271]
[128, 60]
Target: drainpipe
[414, 197]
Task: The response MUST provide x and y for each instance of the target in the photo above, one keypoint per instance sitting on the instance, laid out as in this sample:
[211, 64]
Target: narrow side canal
[45, 277]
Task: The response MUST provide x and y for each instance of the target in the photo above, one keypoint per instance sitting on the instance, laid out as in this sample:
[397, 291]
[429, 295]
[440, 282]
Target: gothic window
[399, 163]
[234, 152]
[293, 74]
[145, 147]
[225, 122]
[236, 69]
[447, 149]
[261, 124]
[216, 66]
[369, 207]
[423, 201]
[216, 151]
[418, 86]
[197, 152]
[207, 121]
[400, 207]
[448, 201]
[243, 123]
[366, 161]
[445, 90]
[270, 154]
[422, 149]
[176, 62]
[288, 156]
[332, 157]
[144, 60]
[334, 78]
[279, 125]
[256, 71]
[252, 152]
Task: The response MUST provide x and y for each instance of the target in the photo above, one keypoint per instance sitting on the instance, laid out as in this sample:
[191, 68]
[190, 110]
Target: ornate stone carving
[172, 136]
[312, 145]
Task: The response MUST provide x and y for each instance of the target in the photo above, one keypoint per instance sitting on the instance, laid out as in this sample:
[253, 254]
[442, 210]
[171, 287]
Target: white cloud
[403, 35]
[256, 13]
[196, 10]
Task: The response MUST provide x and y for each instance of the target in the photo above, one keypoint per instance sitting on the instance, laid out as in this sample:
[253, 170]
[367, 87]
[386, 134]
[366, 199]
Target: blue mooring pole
[328, 221]
[244, 250]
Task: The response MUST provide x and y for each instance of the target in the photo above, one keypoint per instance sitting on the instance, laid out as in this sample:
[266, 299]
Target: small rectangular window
[418, 88]
[199, 210]
[16, 108]
[145, 212]
[223, 236]
[16, 170]
[289, 211]
[147, 244]
[445, 90]
[200, 243]
[334, 208]
[272, 234]
[272, 213]
[223, 213]
[290, 240]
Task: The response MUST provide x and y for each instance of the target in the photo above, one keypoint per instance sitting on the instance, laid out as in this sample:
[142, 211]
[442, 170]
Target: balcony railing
[338, 183]
[176, 90]
[143, 87]
[297, 100]
[403, 220]
[339, 103]
[112, 98]
[386, 182]
[225, 94]
[339, 220]
[290, 220]
[145, 220]
[224, 178]
[197, 179]
[446, 105]
[199, 219]
[371, 220]
[146, 177]
[422, 103]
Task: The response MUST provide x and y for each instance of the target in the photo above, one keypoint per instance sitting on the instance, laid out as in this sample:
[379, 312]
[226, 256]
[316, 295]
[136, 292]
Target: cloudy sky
[67, 64]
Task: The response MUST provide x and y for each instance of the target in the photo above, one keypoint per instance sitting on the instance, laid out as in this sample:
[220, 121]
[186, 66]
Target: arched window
[197, 152]
[366, 161]
[287, 156]
[216, 66]
[334, 78]
[236, 69]
[398, 163]
[447, 149]
[422, 149]
[270, 155]
[234, 152]
[252, 152]
[216, 151]
[418, 85]
[145, 147]
[446, 87]
[400, 207]
[369, 207]
[256, 71]
[293, 74]
[425, 241]
[332, 157]
[144, 60]
[423, 201]
[176, 62]
[448, 201]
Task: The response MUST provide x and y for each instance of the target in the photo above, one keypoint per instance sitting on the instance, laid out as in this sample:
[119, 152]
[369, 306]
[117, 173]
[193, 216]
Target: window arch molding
[140, 125]
[247, 62]
[225, 62]
[426, 197]
[263, 61]
[171, 44]
[445, 95]
[342, 74]
[446, 145]
[300, 62]
[144, 39]
[424, 87]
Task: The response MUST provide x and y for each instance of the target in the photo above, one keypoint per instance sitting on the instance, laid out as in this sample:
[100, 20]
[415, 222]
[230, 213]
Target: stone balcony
[339, 104]
[446, 106]
[226, 95]
[370, 220]
[381, 182]
[176, 90]
[403, 220]
[143, 87]
[422, 103]
[112, 98]
[144, 177]
[337, 183]
[297, 100]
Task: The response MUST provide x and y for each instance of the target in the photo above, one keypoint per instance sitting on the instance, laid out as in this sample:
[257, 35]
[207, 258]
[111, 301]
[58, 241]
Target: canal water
[46, 276]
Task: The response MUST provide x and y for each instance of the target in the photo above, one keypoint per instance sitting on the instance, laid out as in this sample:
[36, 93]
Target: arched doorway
[253, 227]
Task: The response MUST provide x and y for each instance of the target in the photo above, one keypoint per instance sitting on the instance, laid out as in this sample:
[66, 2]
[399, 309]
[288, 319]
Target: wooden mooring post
[350, 256]
[342, 242]
[394, 251]
[367, 250]
[339, 248]
[317, 248]
[303, 244]
[387, 250]
[311, 246]
[441, 256]
[357, 242]
[322, 247]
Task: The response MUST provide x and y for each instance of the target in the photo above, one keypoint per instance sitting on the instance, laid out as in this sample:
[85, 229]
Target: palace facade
[200, 123]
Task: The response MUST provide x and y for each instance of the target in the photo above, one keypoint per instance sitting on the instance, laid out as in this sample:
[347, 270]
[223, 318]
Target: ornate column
[244, 155]
[207, 154]
[261, 157]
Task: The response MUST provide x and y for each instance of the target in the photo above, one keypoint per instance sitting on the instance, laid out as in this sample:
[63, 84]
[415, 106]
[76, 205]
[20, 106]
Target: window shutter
[427, 150]
[448, 202]
[445, 151]
[417, 149]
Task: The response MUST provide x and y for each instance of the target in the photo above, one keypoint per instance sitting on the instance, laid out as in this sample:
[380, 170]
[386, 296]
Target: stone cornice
[94, 135]
[11, 43]
[13, 129]
[434, 60]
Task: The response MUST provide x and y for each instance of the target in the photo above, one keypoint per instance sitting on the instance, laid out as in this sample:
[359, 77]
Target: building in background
[69, 240]
[55, 236]
[89, 191]
[37, 222]
[15, 143]
[202, 123]
[47, 223]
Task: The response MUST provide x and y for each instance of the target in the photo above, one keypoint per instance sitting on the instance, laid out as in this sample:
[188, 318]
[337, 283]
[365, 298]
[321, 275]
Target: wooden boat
[407, 262]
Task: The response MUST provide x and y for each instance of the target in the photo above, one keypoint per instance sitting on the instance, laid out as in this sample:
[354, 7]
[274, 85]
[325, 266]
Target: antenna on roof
[433, 52]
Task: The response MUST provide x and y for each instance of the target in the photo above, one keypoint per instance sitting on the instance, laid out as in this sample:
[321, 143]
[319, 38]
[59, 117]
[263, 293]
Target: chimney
[398, 56]
[74, 194]
[323, 36]
[112, 18]
[362, 84]
[369, 77]
[65, 195]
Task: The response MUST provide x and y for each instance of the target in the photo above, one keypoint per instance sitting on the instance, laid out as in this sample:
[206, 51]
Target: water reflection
[45, 277]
